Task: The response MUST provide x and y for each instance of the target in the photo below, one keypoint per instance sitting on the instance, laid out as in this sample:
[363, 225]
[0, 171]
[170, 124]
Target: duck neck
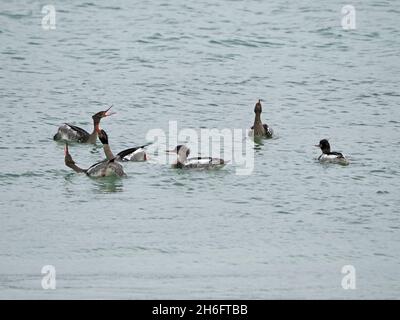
[74, 167]
[182, 158]
[258, 126]
[96, 127]
[326, 150]
[108, 152]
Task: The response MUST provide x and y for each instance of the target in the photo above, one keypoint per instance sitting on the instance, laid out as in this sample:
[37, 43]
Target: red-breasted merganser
[72, 133]
[330, 156]
[259, 129]
[106, 168]
[131, 154]
[183, 162]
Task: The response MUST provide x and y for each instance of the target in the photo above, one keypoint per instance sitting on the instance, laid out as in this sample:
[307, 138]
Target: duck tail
[57, 137]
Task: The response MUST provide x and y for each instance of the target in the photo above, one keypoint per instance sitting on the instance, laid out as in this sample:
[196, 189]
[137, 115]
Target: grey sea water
[285, 231]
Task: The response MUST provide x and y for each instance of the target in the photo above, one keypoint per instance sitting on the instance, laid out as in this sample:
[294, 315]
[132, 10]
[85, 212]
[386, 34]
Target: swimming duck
[106, 168]
[330, 156]
[72, 133]
[183, 162]
[259, 129]
[131, 154]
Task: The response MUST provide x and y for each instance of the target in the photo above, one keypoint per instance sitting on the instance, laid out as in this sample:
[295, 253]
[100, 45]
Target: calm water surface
[285, 231]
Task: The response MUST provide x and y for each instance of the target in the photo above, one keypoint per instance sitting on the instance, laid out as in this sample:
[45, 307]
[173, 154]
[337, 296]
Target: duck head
[258, 107]
[182, 151]
[324, 146]
[102, 114]
[68, 158]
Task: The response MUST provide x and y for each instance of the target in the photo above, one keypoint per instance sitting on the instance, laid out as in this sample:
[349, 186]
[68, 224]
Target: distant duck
[330, 156]
[72, 133]
[183, 162]
[132, 154]
[107, 168]
[260, 130]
